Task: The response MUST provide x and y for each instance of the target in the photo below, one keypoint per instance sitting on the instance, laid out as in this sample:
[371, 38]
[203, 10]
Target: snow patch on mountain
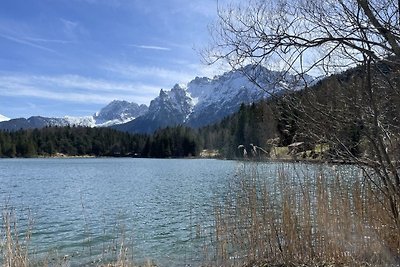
[175, 103]
[221, 96]
[3, 118]
[204, 100]
[86, 121]
[118, 112]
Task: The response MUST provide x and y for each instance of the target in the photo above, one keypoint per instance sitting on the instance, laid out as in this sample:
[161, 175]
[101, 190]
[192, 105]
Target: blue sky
[72, 57]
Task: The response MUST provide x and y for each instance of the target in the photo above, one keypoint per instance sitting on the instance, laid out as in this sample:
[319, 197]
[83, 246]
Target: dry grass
[311, 220]
[14, 247]
[15, 250]
[279, 152]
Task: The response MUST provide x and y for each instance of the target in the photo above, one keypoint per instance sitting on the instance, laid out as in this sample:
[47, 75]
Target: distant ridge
[200, 102]
[204, 101]
[116, 112]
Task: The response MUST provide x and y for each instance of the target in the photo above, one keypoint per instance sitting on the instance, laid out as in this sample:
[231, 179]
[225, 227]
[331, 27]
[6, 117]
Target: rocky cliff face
[203, 100]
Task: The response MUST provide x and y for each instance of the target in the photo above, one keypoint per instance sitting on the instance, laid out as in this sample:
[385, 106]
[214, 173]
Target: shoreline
[210, 154]
[265, 160]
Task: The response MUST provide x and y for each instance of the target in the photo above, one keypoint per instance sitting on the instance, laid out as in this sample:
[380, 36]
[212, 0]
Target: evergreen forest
[277, 122]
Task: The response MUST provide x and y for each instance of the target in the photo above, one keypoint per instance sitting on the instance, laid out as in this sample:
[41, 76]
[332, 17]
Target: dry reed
[307, 220]
[15, 248]
[13, 245]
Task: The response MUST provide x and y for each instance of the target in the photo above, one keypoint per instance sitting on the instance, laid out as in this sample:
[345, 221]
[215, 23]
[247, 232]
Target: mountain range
[116, 112]
[200, 102]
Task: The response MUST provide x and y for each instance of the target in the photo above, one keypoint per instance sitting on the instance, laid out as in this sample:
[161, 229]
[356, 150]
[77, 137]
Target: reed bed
[306, 219]
[14, 247]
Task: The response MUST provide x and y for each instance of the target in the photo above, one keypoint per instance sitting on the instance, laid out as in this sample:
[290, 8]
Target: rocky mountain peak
[203, 100]
[163, 94]
[119, 111]
[200, 102]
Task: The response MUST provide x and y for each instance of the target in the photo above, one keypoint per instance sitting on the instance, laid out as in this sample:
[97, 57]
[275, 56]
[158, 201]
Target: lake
[84, 209]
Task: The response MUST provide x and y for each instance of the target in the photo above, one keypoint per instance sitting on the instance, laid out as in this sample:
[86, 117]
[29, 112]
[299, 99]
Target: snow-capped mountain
[221, 96]
[116, 112]
[203, 100]
[3, 118]
[200, 102]
[30, 123]
[169, 108]
[85, 121]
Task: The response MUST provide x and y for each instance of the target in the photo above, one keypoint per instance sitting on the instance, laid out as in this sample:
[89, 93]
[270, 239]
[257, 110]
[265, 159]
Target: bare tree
[305, 35]
[321, 38]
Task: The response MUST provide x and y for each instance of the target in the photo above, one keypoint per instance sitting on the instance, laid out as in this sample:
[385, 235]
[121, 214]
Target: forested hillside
[71, 141]
[300, 116]
[255, 124]
[86, 141]
[338, 112]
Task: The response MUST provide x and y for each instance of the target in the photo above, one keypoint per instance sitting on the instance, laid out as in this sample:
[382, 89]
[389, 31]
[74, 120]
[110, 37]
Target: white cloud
[26, 42]
[166, 77]
[74, 88]
[210, 70]
[25, 34]
[151, 47]
[184, 72]
[43, 40]
[203, 70]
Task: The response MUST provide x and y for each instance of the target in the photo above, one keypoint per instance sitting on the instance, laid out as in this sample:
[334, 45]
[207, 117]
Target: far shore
[251, 159]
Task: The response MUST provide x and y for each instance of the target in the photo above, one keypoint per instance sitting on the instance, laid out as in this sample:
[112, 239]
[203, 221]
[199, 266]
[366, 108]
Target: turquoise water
[84, 209]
